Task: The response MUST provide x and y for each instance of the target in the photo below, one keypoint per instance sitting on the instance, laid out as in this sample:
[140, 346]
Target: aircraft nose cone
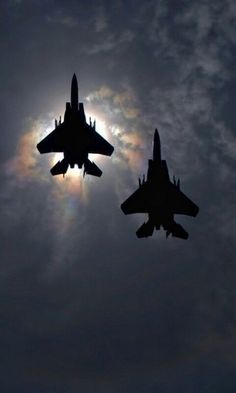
[74, 93]
[156, 147]
[74, 78]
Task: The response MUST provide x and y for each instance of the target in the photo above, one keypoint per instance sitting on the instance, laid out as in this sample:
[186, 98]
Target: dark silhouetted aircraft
[75, 138]
[159, 198]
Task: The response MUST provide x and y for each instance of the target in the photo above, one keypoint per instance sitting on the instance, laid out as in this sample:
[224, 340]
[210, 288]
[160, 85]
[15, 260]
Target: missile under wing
[75, 138]
[160, 198]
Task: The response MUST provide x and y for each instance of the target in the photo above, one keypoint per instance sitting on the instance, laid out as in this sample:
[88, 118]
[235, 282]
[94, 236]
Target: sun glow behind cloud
[28, 164]
[24, 165]
[121, 109]
[65, 196]
[101, 126]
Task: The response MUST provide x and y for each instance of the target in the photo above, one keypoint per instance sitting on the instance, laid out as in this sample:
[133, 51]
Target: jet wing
[180, 203]
[98, 145]
[54, 142]
[137, 202]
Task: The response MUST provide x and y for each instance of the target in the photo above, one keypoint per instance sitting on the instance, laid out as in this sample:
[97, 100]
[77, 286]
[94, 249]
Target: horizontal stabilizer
[60, 168]
[145, 230]
[92, 169]
[180, 203]
[178, 231]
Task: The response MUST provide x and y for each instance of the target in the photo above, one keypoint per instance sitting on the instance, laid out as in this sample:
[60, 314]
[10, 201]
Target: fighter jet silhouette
[75, 138]
[159, 198]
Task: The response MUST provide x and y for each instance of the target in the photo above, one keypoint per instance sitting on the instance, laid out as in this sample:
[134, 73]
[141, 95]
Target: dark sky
[84, 305]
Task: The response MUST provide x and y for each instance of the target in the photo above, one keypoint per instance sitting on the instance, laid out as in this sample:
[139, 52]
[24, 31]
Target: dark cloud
[84, 304]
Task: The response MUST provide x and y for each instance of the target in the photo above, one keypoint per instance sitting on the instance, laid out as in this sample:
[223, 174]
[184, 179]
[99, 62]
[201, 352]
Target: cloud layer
[85, 306]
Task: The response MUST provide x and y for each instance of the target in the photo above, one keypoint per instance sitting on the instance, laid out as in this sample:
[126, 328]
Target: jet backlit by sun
[75, 138]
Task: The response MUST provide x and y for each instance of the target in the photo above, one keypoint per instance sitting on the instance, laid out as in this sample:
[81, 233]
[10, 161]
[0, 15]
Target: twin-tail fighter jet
[160, 198]
[75, 138]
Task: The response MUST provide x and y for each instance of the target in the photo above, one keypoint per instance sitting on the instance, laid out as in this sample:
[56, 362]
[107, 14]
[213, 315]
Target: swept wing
[137, 202]
[97, 144]
[143, 199]
[180, 203]
[54, 142]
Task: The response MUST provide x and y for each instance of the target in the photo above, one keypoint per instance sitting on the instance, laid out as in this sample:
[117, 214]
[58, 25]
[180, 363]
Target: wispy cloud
[69, 257]
[110, 42]
[60, 18]
[100, 20]
[122, 112]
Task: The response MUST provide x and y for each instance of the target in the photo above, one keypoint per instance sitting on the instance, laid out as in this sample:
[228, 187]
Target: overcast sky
[85, 306]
